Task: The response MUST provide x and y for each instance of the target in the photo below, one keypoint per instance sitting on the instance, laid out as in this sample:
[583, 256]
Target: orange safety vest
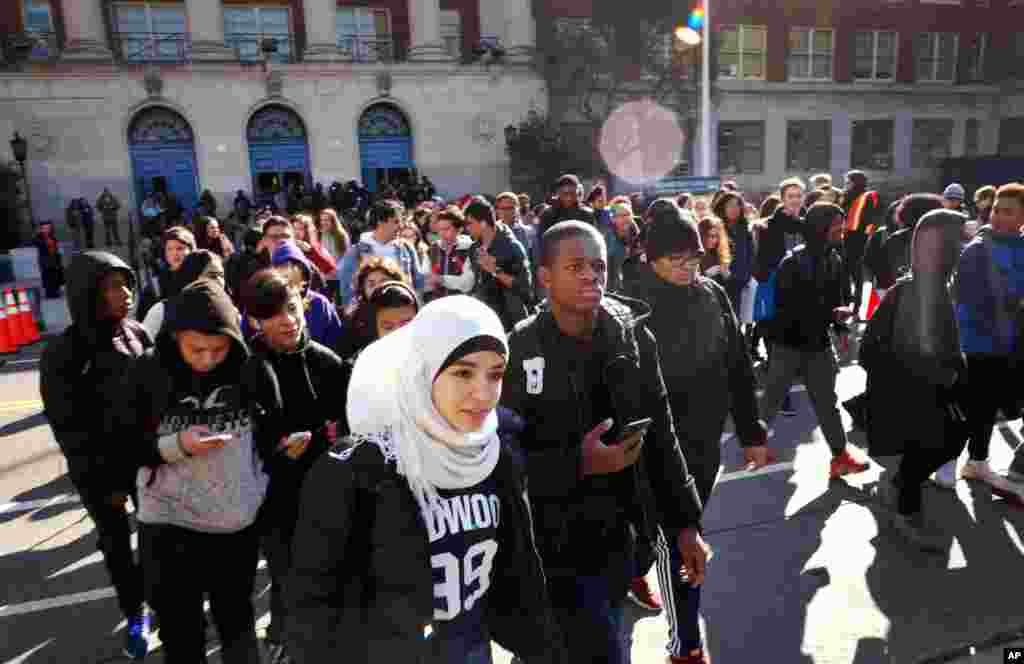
[856, 214]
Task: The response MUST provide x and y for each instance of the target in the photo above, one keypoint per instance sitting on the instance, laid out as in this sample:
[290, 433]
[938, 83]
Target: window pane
[808, 145]
[274, 20]
[930, 142]
[872, 144]
[885, 66]
[380, 20]
[864, 45]
[345, 21]
[239, 20]
[822, 66]
[364, 23]
[797, 66]
[37, 16]
[887, 44]
[822, 41]
[947, 57]
[729, 39]
[753, 38]
[741, 147]
[971, 137]
[798, 39]
[753, 66]
[168, 19]
[1011, 137]
[728, 65]
[131, 19]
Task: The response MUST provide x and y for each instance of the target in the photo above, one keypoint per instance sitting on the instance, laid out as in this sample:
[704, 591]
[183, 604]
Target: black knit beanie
[672, 231]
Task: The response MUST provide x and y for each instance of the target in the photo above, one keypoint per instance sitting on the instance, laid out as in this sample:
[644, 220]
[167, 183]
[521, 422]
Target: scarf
[390, 400]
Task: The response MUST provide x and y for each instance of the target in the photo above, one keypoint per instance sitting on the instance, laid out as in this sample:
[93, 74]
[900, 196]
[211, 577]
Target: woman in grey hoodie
[202, 480]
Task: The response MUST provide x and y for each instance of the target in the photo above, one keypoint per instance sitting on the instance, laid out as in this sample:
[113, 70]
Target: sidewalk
[987, 654]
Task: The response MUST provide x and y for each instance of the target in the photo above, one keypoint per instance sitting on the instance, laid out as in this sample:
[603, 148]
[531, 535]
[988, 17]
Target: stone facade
[78, 126]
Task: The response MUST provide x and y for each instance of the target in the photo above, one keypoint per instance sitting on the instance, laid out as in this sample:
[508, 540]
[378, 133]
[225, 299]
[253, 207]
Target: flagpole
[705, 93]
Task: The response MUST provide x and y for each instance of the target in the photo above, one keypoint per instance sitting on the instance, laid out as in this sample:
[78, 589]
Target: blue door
[278, 151]
[162, 148]
[385, 142]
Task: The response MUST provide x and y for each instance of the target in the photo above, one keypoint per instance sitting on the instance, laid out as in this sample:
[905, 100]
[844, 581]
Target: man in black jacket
[584, 363]
[81, 374]
[295, 382]
[502, 268]
[812, 296]
[707, 373]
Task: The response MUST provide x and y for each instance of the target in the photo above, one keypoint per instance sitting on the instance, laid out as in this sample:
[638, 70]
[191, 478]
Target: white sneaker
[945, 476]
[978, 470]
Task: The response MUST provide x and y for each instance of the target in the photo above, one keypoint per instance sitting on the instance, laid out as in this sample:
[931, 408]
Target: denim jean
[591, 621]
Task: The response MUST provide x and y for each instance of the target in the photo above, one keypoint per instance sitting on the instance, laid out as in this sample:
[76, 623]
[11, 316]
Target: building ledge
[858, 87]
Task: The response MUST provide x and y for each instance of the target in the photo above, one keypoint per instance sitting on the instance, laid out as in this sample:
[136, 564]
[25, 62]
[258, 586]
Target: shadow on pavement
[24, 424]
[53, 489]
[938, 603]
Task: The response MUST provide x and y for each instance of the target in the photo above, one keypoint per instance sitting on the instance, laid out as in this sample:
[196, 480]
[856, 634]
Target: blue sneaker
[136, 638]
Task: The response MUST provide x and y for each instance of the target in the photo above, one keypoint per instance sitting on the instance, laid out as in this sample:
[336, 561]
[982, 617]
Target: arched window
[274, 124]
[383, 121]
[159, 125]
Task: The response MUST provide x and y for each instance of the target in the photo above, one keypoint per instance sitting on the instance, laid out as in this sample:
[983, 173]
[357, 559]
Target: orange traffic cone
[6, 344]
[13, 321]
[29, 329]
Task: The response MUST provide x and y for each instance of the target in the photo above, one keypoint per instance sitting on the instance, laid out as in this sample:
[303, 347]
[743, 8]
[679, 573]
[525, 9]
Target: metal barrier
[260, 47]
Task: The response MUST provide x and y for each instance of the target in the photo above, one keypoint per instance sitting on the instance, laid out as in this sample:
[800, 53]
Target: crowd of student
[485, 421]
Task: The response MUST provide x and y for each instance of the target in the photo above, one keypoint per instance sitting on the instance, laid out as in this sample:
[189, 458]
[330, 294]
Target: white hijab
[390, 399]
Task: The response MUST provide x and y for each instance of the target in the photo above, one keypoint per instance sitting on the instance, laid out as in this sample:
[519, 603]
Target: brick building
[887, 86]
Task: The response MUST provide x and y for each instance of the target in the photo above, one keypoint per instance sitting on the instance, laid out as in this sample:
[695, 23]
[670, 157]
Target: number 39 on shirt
[460, 576]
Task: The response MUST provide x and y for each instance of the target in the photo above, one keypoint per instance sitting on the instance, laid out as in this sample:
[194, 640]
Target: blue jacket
[990, 287]
[322, 318]
[349, 264]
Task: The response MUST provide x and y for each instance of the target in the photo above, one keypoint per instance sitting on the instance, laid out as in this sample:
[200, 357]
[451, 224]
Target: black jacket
[704, 359]
[556, 213]
[512, 304]
[292, 392]
[908, 376]
[573, 512]
[81, 381]
[771, 242]
[361, 581]
[808, 287]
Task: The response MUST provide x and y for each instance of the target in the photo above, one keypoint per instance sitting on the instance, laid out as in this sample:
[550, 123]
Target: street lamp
[700, 19]
[19, 146]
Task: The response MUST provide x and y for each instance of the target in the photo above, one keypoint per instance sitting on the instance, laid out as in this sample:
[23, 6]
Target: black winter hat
[672, 231]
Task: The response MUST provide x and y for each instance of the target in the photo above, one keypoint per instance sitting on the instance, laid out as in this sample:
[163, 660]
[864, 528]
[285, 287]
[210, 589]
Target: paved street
[801, 573]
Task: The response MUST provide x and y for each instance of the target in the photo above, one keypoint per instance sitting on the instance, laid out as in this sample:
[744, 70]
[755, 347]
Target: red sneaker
[696, 657]
[845, 464]
[642, 595]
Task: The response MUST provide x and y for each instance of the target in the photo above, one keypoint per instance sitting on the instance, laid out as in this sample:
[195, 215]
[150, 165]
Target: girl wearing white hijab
[415, 543]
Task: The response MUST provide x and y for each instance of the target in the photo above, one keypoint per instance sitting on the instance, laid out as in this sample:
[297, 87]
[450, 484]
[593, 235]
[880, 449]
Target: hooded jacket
[809, 286]
[703, 358]
[361, 577]
[221, 491]
[911, 350]
[294, 392]
[81, 380]
[550, 384]
[322, 318]
[512, 304]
